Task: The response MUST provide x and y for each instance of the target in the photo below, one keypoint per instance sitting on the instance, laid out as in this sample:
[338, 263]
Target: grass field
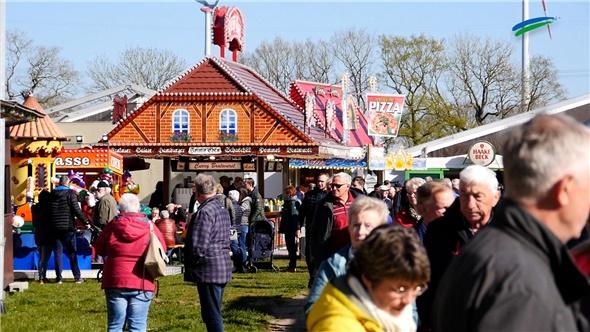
[249, 302]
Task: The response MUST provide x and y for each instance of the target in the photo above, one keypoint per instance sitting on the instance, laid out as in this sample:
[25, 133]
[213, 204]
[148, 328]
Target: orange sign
[90, 158]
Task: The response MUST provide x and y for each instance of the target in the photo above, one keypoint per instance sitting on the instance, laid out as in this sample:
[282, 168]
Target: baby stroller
[261, 246]
[95, 232]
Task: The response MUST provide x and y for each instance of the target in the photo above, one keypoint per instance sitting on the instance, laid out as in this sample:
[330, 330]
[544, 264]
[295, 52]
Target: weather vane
[205, 3]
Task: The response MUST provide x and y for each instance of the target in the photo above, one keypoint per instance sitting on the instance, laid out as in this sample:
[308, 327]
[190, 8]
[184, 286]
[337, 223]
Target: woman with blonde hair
[389, 270]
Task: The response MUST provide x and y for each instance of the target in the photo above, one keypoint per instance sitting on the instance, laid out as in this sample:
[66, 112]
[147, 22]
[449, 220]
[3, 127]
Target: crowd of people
[426, 255]
[461, 254]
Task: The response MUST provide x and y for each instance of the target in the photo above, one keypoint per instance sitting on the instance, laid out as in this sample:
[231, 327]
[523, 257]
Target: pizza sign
[385, 114]
[482, 153]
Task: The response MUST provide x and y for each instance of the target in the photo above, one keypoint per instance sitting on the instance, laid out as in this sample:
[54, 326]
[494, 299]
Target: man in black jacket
[517, 274]
[306, 212]
[63, 209]
[445, 237]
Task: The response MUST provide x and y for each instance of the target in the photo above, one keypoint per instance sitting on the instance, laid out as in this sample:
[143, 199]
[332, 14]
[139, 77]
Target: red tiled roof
[286, 107]
[41, 128]
[357, 137]
[203, 79]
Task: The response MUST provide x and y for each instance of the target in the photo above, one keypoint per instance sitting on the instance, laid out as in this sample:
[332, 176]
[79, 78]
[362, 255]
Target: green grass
[249, 301]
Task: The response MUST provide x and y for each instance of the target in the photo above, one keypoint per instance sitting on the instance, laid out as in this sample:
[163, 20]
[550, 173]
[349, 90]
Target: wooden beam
[260, 175]
[166, 186]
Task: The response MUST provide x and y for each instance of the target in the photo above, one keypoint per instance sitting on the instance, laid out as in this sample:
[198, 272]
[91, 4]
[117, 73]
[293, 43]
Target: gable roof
[40, 128]
[214, 77]
[357, 137]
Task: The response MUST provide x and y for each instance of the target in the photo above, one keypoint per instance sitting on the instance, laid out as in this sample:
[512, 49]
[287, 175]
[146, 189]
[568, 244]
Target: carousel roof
[40, 128]
[322, 95]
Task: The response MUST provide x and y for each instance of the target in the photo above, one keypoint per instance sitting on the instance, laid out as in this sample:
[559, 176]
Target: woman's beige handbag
[155, 256]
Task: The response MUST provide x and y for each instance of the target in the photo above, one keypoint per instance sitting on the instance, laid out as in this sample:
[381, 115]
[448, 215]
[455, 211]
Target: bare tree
[319, 60]
[273, 61]
[543, 83]
[414, 67]
[148, 67]
[355, 49]
[280, 62]
[479, 69]
[38, 69]
[485, 83]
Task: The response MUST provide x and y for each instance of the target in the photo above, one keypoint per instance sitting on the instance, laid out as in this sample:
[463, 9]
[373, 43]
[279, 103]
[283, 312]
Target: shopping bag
[155, 257]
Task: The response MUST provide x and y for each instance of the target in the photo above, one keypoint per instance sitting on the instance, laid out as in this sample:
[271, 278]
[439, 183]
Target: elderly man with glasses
[329, 226]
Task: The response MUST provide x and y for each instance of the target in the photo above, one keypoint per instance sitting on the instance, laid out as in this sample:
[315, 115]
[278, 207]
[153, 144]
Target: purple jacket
[206, 248]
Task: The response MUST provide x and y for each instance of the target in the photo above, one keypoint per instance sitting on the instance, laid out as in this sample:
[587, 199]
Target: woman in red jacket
[128, 289]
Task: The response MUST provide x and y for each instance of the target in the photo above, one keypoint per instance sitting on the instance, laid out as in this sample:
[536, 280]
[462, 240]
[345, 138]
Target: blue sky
[85, 29]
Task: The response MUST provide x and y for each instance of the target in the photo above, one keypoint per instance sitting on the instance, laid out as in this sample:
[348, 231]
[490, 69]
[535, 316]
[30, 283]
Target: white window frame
[175, 120]
[225, 127]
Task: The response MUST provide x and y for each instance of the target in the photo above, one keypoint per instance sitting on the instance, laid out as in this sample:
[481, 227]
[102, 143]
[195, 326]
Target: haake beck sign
[482, 153]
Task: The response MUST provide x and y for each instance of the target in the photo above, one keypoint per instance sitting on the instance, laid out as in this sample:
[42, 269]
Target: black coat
[63, 209]
[41, 222]
[290, 217]
[443, 240]
[308, 206]
[514, 276]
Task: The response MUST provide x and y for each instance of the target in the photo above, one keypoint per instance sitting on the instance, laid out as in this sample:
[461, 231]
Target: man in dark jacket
[63, 209]
[329, 226]
[43, 235]
[517, 274]
[445, 237]
[306, 212]
[257, 206]
[207, 248]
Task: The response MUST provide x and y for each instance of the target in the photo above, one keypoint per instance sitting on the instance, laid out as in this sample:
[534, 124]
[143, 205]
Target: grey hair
[205, 184]
[365, 203]
[415, 183]
[541, 151]
[164, 214]
[344, 176]
[129, 203]
[64, 180]
[477, 174]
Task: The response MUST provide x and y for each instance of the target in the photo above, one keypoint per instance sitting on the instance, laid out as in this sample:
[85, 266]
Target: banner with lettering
[385, 114]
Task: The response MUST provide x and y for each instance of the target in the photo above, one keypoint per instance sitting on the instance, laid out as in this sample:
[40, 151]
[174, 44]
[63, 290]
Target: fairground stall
[90, 164]
[11, 114]
[34, 147]
[330, 109]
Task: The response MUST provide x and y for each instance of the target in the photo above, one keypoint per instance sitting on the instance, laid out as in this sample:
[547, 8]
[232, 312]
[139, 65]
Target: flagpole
[525, 59]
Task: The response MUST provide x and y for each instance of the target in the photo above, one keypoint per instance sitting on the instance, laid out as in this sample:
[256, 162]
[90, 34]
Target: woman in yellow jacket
[388, 271]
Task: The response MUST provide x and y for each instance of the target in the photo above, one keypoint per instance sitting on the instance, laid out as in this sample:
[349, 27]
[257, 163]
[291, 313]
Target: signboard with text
[482, 153]
[213, 165]
[194, 151]
[89, 158]
[384, 114]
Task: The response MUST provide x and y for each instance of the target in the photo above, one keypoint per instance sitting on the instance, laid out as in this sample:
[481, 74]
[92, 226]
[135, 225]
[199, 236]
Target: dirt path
[289, 316]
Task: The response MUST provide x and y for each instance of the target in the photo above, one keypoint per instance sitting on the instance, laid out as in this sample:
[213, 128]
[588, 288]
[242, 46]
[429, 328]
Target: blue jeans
[66, 241]
[210, 297]
[129, 306]
[242, 236]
